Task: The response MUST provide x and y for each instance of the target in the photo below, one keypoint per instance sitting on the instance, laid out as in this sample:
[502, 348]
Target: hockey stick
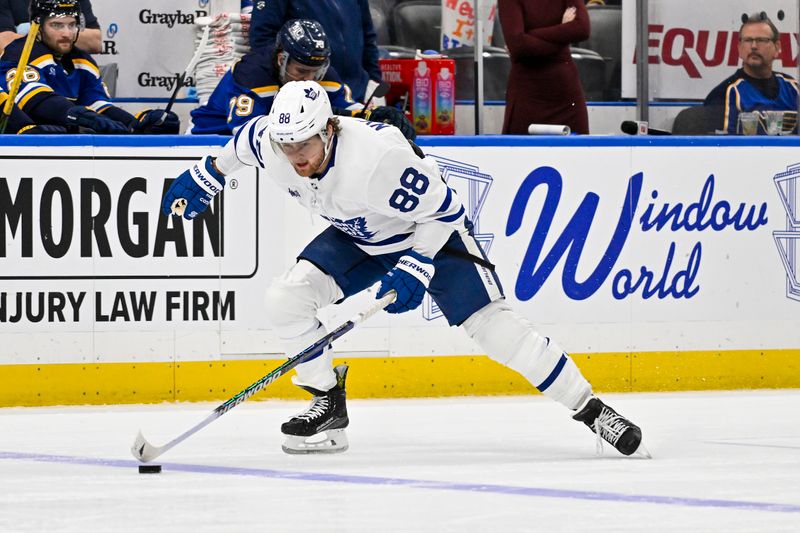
[181, 78]
[146, 452]
[17, 81]
[380, 91]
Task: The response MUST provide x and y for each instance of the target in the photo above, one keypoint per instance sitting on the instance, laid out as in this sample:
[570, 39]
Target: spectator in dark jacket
[348, 24]
[543, 85]
[15, 20]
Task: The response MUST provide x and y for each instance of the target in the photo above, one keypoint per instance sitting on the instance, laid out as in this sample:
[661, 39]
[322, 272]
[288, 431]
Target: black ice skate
[608, 425]
[320, 429]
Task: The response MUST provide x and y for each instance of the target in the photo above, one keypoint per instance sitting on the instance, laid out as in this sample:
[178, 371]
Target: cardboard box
[426, 90]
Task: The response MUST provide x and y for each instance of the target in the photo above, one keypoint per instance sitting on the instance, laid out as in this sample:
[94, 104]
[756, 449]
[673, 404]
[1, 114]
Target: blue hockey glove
[157, 122]
[390, 115]
[83, 117]
[409, 278]
[192, 192]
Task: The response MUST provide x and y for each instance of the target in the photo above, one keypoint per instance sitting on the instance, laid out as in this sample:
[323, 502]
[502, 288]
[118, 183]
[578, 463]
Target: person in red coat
[543, 86]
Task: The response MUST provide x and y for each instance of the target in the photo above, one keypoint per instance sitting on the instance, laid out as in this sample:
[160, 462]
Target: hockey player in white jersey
[394, 220]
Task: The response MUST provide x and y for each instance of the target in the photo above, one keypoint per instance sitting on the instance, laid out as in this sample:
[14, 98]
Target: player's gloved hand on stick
[156, 121]
[84, 117]
[409, 278]
[390, 115]
[192, 192]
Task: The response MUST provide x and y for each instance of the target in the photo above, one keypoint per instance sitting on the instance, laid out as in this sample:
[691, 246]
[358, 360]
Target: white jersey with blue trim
[376, 188]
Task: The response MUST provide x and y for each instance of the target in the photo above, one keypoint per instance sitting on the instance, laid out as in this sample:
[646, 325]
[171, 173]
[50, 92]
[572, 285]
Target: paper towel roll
[548, 129]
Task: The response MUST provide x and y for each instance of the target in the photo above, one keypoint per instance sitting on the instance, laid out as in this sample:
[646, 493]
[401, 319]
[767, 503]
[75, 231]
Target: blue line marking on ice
[540, 492]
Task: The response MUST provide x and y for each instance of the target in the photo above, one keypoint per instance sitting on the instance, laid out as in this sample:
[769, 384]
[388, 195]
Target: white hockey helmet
[300, 110]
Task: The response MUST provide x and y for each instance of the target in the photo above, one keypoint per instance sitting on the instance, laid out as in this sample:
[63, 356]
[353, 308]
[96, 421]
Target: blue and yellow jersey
[75, 76]
[741, 96]
[18, 122]
[247, 91]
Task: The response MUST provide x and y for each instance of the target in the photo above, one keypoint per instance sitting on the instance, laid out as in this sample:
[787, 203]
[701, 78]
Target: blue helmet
[304, 41]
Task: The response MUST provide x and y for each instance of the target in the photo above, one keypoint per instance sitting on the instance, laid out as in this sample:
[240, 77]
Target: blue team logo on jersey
[311, 94]
[293, 193]
[355, 227]
[788, 240]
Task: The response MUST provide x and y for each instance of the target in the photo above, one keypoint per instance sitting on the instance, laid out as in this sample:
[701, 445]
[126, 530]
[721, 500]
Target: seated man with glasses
[61, 84]
[755, 86]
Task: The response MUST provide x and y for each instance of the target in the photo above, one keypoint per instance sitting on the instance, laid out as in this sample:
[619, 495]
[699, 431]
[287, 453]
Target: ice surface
[722, 461]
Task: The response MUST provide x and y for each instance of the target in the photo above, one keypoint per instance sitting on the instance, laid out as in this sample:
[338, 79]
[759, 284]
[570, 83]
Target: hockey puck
[149, 469]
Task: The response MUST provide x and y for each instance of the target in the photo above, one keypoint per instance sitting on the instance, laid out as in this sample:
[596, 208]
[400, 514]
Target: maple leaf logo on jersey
[355, 227]
[311, 94]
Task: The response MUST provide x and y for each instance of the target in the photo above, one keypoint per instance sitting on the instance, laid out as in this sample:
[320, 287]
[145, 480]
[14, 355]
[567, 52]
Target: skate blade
[642, 452]
[331, 441]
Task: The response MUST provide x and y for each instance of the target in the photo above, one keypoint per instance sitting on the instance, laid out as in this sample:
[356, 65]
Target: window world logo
[788, 240]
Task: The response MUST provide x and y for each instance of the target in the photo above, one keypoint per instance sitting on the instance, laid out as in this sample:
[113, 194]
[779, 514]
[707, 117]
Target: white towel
[548, 129]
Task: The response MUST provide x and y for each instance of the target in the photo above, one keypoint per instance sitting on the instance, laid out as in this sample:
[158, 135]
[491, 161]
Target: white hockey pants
[510, 339]
[292, 302]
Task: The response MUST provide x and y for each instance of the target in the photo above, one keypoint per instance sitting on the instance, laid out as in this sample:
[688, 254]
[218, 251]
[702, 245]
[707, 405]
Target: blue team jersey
[247, 91]
[18, 121]
[75, 76]
[347, 23]
[741, 96]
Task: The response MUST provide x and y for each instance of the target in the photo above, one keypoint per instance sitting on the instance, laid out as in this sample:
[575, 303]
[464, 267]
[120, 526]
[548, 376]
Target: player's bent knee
[480, 318]
[510, 339]
[295, 297]
[501, 331]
